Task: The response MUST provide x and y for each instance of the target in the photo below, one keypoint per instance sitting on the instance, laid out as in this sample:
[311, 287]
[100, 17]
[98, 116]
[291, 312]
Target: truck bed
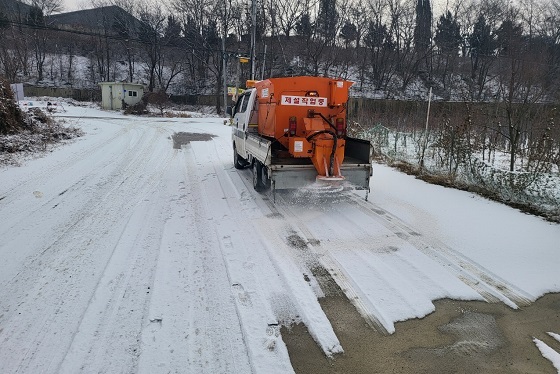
[291, 172]
[307, 161]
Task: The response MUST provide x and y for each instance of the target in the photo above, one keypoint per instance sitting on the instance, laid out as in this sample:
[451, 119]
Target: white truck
[292, 133]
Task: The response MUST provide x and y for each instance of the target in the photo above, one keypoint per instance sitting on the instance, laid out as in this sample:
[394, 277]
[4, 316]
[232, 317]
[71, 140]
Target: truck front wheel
[257, 176]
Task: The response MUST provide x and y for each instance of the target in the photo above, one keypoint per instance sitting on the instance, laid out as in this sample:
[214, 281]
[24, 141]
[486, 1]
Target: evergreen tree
[377, 36]
[327, 20]
[448, 41]
[35, 17]
[172, 31]
[423, 28]
[190, 31]
[482, 45]
[509, 38]
[303, 27]
[211, 35]
[481, 41]
[348, 33]
[4, 21]
[448, 35]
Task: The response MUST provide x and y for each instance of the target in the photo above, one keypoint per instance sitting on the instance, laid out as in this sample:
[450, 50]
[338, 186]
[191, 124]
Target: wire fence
[430, 156]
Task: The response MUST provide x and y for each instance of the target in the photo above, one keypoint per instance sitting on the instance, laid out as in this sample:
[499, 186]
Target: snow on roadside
[548, 353]
[517, 247]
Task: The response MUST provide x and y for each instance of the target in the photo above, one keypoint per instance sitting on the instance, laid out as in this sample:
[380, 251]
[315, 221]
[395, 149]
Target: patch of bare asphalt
[459, 337]
[184, 138]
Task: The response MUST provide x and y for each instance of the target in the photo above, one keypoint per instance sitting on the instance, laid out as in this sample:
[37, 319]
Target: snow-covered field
[123, 254]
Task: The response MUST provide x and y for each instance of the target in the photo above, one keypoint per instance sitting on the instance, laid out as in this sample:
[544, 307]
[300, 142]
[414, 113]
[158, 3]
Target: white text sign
[303, 100]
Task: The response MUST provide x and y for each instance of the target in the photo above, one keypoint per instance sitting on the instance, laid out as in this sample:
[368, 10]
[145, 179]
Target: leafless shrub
[28, 132]
[140, 108]
[159, 99]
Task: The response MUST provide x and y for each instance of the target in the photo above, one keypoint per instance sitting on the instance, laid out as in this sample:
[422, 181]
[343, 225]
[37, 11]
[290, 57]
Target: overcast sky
[70, 5]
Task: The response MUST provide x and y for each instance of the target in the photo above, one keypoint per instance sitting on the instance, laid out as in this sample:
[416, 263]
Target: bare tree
[151, 33]
[521, 86]
[401, 29]
[288, 12]
[37, 23]
[126, 27]
[358, 15]
[9, 61]
[48, 7]
[195, 10]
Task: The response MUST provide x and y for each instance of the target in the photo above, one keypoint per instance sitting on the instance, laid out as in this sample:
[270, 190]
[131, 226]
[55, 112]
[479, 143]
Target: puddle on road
[459, 337]
[184, 138]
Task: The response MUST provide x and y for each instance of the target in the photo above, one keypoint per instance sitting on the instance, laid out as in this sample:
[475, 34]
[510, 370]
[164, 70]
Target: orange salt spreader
[307, 115]
[292, 131]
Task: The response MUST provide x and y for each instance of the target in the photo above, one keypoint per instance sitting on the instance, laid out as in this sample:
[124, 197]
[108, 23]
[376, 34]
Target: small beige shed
[113, 94]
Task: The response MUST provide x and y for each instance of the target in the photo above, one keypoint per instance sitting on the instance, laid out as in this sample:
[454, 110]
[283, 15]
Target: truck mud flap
[359, 150]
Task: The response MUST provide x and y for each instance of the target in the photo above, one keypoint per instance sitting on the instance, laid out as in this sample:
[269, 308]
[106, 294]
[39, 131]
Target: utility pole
[253, 36]
[225, 56]
[224, 66]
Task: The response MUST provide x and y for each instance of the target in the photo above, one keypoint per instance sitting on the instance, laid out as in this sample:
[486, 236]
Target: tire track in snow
[373, 315]
[136, 163]
[21, 206]
[192, 296]
[282, 223]
[111, 324]
[483, 281]
[101, 184]
[249, 269]
[11, 193]
[259, 240]
[71, 263]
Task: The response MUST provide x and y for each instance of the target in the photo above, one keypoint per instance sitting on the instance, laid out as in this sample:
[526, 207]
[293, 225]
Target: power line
[189, 44]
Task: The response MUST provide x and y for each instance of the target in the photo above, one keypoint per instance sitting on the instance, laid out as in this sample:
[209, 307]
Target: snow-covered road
[121, 253]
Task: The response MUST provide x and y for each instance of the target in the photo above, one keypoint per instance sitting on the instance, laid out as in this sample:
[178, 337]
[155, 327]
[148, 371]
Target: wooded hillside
[471, 50]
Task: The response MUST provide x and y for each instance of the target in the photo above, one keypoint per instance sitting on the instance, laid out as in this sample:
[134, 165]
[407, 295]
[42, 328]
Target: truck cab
[243, 112]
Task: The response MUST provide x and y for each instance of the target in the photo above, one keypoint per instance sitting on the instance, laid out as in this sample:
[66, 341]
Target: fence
[78, 94]
[536, 192]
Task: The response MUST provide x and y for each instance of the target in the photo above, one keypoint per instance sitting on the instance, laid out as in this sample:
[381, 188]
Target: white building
[114, 94]
[17, 89]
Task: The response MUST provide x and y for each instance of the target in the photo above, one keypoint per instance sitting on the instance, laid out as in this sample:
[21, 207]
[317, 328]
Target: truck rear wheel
[265, 178]
[238, 161]
[257, 176]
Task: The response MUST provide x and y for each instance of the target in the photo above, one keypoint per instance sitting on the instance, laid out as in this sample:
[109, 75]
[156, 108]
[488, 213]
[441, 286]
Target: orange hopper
[307, 115]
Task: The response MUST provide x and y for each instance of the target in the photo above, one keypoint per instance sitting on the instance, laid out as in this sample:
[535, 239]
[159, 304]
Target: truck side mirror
[229, 110]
